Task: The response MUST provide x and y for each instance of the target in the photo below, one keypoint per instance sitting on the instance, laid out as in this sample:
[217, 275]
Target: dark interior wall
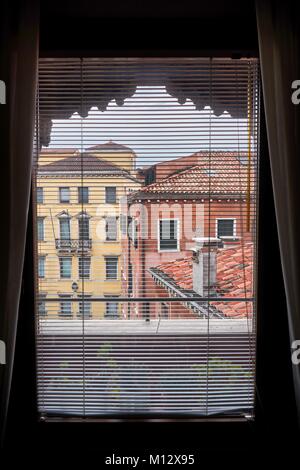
[145, 28]
[163, 28]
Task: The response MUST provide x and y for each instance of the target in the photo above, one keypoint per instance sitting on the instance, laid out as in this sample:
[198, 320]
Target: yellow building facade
[78, 201]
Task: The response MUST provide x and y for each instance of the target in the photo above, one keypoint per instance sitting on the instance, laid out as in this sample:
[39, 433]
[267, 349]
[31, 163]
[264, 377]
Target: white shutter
[151, 140]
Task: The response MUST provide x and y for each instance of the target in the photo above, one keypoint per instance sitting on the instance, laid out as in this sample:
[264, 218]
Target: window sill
[168, 251]
[231, 239]
[112, 419]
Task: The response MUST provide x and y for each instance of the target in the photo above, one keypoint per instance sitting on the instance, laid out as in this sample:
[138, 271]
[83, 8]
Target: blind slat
[145, 196]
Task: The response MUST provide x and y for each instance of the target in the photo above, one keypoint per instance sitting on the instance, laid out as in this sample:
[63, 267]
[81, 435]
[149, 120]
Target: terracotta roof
[110, 146]
[234, 277]
[180, 270]
[90, 163]
[195, 158]
[218, 174]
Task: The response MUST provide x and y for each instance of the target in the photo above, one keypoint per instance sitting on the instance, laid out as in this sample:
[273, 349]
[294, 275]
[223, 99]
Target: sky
[154, 125]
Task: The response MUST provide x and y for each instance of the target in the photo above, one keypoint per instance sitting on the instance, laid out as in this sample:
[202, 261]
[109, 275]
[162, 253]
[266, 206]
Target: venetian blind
[145, 190]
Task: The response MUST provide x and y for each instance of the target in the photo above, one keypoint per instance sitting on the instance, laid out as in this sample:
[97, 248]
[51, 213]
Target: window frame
[178, 419]
[111, 240]
[42, 258]
[42, 301]
[60, 267]
[116, 257]
[111, 317]
[60, 192]
[64, 219]
[115, 201]
[226, 237]
[81, 268]
[83, 300]
[80, 198]
[68, 298]
[84, 219]
[172, 250]
[40, 191]
[40, 220]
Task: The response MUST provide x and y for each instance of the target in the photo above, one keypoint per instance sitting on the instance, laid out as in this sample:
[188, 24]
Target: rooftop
[110, 146]
[59, 151]
[217, 174]
[88, 163]
[234, 278]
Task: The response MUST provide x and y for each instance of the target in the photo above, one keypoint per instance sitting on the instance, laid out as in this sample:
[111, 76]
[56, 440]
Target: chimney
[205, 265]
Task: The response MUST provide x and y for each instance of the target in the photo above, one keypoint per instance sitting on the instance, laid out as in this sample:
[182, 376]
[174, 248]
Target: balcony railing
[73, 245]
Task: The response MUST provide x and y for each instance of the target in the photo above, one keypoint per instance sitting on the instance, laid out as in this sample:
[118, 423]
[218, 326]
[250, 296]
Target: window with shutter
[40, 228]
[64, 228]
[65, 264]
[64, 195]
[111, 228]
[83, 195]
[39, 195]
[110, 195]
[84, 306]
[41, 266]
[170, 148]
[168, 235]
[84, 266]
[65, 305]
[111, 264]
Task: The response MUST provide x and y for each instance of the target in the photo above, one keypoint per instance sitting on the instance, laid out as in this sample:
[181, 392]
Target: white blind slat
[145, 196]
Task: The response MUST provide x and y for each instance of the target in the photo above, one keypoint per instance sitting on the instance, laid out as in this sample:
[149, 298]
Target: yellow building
[78, 228]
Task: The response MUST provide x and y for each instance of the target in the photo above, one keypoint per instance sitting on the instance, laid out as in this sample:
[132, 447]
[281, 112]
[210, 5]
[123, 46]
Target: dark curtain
[278, 33]
[19, 22]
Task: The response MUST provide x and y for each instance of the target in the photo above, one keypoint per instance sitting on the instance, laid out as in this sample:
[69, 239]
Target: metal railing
[73, 245]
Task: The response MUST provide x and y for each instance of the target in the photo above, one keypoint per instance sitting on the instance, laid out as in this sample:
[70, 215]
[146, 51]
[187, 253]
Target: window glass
[41, 266]
[111, 228]
[225, 227]
[84, 267]
[64, 228]
[65, 305]
[111, 267]
[110, 195]
[168, 235]
[85, 306]
[84, 228]
[39, 195]
[40, 228]
[111, 308]
[65, 267]
[64, 195]
[83, 195]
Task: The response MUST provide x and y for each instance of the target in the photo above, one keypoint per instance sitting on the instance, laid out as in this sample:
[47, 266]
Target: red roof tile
[234, 277]
[215, 174]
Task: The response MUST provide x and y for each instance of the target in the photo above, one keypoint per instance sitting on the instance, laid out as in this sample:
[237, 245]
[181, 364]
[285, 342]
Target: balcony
[73, 245]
